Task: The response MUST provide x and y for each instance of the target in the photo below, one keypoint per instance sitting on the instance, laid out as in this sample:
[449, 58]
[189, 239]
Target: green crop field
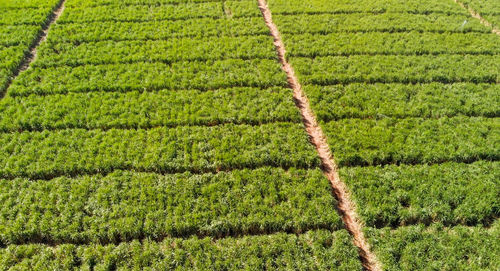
[165, 135]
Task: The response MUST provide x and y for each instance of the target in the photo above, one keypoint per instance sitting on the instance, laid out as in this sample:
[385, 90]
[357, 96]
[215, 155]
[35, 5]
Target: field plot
[20, 24]
[407, 94]
[161, 134]
[488, 9]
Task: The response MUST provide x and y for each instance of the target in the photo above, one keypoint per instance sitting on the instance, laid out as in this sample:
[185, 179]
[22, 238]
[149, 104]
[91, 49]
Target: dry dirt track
[345, 206]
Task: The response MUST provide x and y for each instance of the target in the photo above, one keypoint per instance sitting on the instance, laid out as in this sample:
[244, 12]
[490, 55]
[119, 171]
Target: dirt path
[478, 16]
[345, 206]
[32, 51]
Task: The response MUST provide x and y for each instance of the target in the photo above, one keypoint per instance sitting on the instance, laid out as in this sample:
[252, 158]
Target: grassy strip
[208, 75]
[386, 22]
[204, 27]
[161, 12]
[317, 6]
[125, 206]
[101, 110]
[398, 69]
[411, 43]
[433, 100]
[171, 50]
[437, 248]
[412, 141]
[46, 154]
[450, 193]
[314, 250]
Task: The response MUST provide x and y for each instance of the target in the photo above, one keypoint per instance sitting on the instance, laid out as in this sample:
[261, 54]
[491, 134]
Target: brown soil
[478, 16]
[346, 207]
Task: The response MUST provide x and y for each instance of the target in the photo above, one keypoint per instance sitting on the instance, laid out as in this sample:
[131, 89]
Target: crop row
[386, 22]
[408, 43]
[449, 193]
[170, 50]
[24, 4]
[197, 149]
[219, 9]
[314, 250]
[346, 6]
[125, 206]
[18, 35]
[123, 3]
[155, 30]
[24, 16]
[433, 100]
[413, 141]
[208, 75]
[203, 27]
[106, 110]
[398, 69]
[437, 247]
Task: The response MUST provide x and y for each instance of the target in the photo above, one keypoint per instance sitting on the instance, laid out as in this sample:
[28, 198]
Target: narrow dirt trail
[478, 16]
[345, 206]
[31, 54]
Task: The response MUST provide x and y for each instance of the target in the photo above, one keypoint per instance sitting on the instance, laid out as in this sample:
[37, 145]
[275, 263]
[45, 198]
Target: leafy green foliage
[385, 22]
[437, 247]
[207, 75]
[414, 140]
[17, 4]
[120, 12]
[449, 193]
[314, 250]
[377, 6]
[124, 206]
[156, 30]
[11, 57]
[379, 101]
[398, 69]
[105, 110]
[171, 50]
[407, 43]
[122, 3]
[48, 154]
[13, 35]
